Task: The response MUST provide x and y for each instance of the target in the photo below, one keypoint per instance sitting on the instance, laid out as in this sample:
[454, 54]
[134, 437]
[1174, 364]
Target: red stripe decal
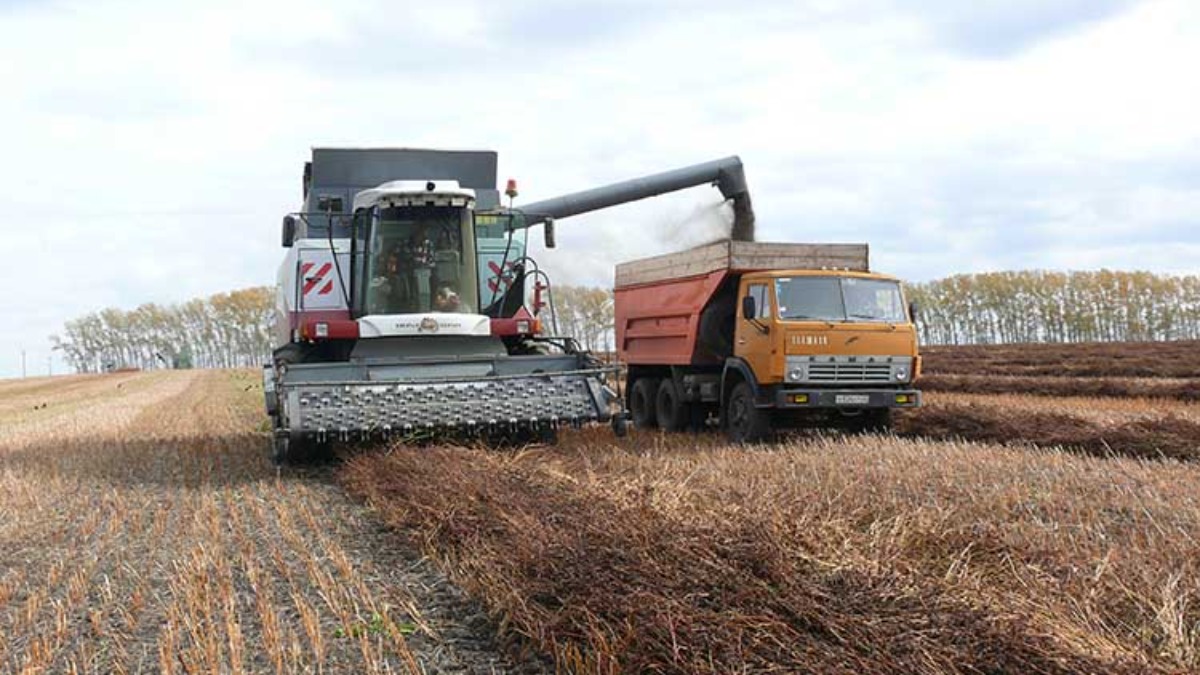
[311, 282]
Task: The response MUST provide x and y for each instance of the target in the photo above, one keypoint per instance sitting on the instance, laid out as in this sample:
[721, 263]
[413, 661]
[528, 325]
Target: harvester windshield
[840, 299]
[421, 259]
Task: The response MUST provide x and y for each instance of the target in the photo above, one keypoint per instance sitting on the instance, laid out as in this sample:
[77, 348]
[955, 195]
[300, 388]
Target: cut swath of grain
[1098, 432]
[1104, 410]
[1183, 390]
[1104, 359]
[834, 555]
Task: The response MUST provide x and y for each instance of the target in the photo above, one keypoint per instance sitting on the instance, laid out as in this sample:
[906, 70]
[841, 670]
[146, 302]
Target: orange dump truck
[763, 336]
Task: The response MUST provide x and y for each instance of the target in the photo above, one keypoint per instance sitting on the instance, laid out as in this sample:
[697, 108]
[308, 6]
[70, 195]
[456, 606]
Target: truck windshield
[421, 259]
[840, 299]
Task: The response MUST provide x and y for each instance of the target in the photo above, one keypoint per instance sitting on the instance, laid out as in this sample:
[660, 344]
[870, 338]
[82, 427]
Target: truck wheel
[641, 402]
[672, 413]
[745, 423]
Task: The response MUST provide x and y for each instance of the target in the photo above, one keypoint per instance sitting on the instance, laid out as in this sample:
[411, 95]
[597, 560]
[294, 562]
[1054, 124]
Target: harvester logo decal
[428, 325]
[312, 281]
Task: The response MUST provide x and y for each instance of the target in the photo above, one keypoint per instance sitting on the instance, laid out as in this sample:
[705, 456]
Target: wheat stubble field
[142, 529]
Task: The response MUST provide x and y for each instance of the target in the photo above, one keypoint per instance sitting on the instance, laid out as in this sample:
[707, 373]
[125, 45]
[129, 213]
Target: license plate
[852, 399]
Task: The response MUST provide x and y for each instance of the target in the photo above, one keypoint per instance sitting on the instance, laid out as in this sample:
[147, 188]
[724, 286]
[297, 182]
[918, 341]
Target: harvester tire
[279, 450]
[672, 413]
[744, 423]
[301, 451]
[642, 402]
[620, 426]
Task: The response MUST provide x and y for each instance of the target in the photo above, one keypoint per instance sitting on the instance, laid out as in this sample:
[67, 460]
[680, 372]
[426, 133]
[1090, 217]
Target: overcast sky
[150, 149]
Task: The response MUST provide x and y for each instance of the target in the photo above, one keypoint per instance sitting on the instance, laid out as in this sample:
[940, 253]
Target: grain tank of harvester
[406, 305]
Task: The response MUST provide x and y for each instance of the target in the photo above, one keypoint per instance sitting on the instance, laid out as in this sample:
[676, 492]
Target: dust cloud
[707, 224]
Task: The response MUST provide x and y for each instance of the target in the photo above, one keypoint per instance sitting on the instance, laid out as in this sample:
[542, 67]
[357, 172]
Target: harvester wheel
[620, 426]
[745, 423]
[279, 450]
[301, 451]
[669, 408]
[642, 404]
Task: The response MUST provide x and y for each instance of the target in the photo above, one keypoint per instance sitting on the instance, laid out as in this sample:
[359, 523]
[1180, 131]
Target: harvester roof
[416, 193]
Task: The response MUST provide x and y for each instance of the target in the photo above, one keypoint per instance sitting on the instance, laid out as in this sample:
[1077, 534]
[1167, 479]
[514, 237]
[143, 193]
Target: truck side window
[762, 308]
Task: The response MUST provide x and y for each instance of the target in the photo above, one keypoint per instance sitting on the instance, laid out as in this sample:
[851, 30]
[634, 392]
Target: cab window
[762, 307]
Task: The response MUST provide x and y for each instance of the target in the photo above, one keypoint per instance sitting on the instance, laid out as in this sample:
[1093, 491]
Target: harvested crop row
[143, 529]
[1113, 359]
[1182, 390]
[867, 554]
[1151, 437]
[1105, 410]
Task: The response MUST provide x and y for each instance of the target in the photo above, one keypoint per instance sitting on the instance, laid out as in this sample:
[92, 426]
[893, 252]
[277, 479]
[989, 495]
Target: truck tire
[672, 413]
[642, 402]
[744, 423]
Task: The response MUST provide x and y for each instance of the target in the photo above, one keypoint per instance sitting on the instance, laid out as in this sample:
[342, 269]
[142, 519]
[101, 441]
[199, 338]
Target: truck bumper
[846, 398]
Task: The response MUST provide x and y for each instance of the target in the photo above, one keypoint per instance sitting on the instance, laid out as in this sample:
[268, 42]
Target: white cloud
[150, 149]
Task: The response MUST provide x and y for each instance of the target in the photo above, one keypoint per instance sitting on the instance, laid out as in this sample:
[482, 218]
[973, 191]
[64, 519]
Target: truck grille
[849, 372]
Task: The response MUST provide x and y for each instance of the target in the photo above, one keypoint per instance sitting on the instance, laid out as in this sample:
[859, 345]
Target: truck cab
[822, 340]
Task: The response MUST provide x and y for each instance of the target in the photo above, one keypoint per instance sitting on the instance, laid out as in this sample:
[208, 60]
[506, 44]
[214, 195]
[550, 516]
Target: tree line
[234, 329]
[230, 330]
[1039, 306]
[585, 314]
[225, 330]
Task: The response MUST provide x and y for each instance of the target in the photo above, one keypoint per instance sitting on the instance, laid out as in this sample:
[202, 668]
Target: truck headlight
[795, 374]
[902, 374]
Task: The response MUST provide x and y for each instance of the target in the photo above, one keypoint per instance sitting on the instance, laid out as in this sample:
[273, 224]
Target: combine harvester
[763, 336]
[401, 303]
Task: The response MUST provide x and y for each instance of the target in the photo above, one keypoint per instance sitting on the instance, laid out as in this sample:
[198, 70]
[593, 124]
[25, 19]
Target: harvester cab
[403, 308]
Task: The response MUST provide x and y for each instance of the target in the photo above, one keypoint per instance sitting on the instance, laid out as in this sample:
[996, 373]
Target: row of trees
[586, 314]
[223, 331]
[1035, 306]
[234, 329]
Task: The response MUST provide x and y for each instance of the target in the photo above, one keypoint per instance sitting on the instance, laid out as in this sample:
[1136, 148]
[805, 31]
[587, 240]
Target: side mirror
[912, 311]
[549, 233]
[749, 311]
[289, 231]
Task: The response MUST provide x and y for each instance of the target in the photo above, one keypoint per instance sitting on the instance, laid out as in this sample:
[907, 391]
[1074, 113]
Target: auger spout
[726, 174]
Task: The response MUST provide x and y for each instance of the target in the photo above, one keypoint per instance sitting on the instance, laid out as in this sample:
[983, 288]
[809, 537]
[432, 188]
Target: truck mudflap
[416, 407]
[847, 398]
